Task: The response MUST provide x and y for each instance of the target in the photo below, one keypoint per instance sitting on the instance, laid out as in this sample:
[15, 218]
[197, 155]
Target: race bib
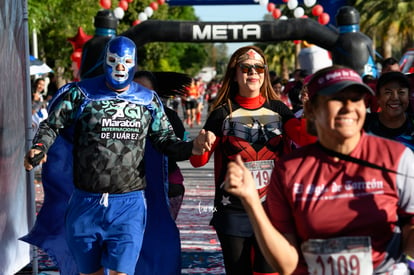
[338, 256]
[261, 171]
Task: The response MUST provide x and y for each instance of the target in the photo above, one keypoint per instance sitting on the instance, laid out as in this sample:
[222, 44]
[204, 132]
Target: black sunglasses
[259, 68]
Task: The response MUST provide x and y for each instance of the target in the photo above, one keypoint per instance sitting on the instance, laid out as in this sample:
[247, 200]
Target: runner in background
[211, 92]
[176, 187]
[201, 87]
[190, 103]
[393, 120]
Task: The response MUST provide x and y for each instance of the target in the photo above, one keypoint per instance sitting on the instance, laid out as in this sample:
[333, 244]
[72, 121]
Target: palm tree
[388, 22]
[281, 58]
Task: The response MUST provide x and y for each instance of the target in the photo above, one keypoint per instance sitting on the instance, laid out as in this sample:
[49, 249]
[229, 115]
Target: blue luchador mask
[119, 64]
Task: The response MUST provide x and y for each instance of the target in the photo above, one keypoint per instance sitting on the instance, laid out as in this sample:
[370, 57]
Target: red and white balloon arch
[316, 10]
[119, 11]
[299, 11]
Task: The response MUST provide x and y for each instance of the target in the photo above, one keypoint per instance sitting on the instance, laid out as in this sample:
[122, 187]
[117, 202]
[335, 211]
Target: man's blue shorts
[106, 231]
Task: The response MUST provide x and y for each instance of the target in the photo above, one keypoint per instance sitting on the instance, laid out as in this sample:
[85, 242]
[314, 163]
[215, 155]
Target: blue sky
[231, 13]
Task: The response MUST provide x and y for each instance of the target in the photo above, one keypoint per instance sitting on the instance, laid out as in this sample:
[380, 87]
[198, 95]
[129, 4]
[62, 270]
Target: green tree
[281, 58]
[219, 51]
[389, 23]
[161, 56]
[54, 21]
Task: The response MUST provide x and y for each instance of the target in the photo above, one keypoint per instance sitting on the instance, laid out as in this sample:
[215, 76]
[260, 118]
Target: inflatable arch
[348, 46]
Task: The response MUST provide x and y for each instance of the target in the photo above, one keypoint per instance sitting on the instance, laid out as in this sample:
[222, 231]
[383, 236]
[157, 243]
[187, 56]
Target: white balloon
[298, 12]
[283, 17]
[292, 4]
[149, 11]
[119, 12]
[263, 2]
[309, 3]
[142, 16]
[256, 1]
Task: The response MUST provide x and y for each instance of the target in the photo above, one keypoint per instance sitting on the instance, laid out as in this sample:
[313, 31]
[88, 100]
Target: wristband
[409, 261]
[39, 146]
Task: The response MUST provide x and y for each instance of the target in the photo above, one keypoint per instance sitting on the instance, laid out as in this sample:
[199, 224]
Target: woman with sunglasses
[247, 118]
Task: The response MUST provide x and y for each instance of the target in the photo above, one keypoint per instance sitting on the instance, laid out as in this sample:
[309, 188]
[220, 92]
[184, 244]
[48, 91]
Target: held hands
[203, 142]
[33, 158]
[239, 180]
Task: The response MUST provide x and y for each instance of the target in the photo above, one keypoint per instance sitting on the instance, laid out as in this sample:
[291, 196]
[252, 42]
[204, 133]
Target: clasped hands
[203, 142]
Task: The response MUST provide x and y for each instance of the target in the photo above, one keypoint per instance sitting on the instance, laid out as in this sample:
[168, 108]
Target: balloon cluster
[119, 11]
[298, 11]
[77, 42]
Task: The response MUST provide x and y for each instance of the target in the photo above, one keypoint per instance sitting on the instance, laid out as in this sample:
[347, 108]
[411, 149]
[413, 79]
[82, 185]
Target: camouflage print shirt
[109, 137]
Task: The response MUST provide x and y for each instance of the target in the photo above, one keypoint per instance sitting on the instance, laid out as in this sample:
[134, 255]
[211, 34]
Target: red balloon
[271, 7]
[135, 22]
[296, 42]
[317, 10]
[79, 39]
[106, 4]
[154, 6]
[123, 4]
[285, 1]
[323, 18]
[76, 56]
[161, 2]
[276, 13]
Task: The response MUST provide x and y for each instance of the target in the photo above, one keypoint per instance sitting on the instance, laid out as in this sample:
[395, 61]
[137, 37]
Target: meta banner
[225, 32]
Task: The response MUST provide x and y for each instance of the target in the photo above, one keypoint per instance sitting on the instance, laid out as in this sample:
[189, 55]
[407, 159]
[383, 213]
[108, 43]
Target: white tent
[16, 190]
[38, 66]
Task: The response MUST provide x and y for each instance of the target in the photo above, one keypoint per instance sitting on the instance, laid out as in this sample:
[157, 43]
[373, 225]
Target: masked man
[108, 120]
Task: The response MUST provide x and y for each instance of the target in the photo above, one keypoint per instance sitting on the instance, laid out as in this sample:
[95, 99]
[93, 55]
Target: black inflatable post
[93, 51]
[353, 48]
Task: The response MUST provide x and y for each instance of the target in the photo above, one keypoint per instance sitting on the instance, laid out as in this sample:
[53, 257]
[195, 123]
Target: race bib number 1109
[338, 256]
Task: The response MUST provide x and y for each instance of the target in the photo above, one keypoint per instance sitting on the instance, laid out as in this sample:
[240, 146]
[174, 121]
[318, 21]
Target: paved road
[195, 214]
[196, 211]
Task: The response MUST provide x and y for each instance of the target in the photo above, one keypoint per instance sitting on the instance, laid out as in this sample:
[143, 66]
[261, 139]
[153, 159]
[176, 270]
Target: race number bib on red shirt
[338, 256]
[261, 171]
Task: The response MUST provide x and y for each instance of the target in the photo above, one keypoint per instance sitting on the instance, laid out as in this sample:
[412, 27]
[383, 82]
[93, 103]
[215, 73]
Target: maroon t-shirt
[316, 197]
